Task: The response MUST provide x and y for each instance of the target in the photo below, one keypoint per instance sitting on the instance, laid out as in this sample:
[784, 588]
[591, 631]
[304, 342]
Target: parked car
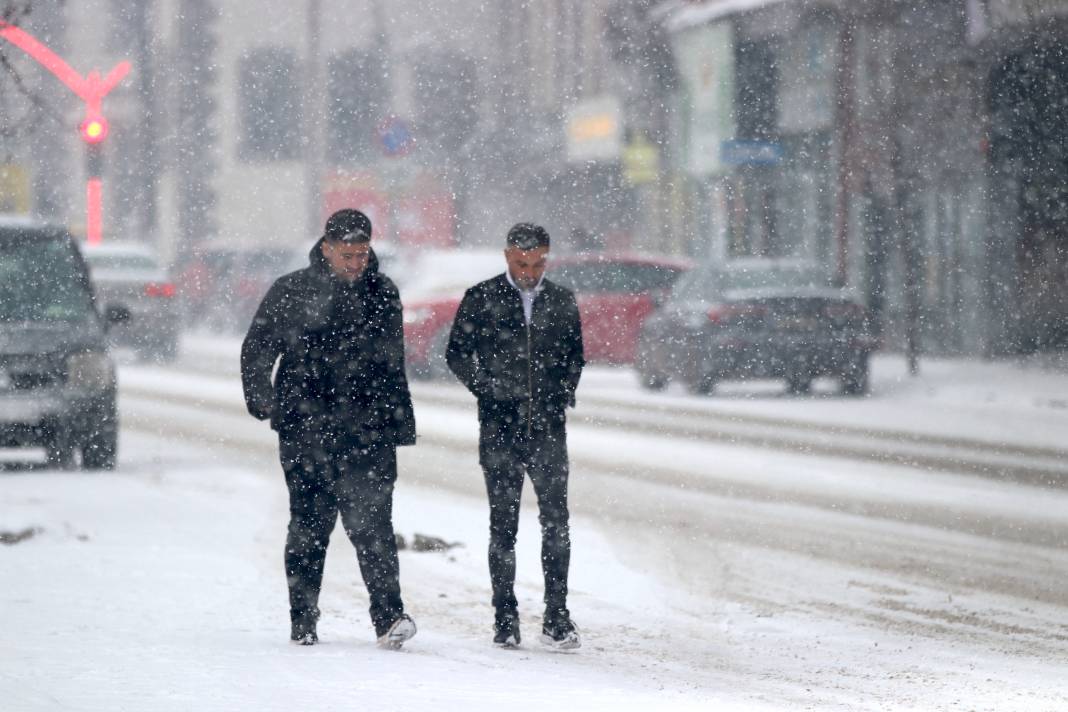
[615, 294]
[57, 380]
[781, 321]
[221, 286]
[132, 275]
[431, 289]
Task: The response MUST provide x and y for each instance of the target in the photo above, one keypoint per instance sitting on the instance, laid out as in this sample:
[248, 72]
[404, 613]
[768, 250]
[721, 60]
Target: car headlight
[90, 371]
[694, 321]
[416, 315]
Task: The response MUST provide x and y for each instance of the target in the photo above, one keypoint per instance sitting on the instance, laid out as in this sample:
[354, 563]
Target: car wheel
[167, 351]
[652, 381]
[855, 381]
[703, 385]
[418, 371]
[101, 448]
[799, 385]
[649, 376]
[437, 366]
[59, 449]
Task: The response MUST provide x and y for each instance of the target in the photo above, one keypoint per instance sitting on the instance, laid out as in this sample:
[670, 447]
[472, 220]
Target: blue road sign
[395, 137]
[751, 153]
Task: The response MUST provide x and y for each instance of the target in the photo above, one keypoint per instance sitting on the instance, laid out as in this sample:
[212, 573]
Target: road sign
[395, 137]
[751, 153]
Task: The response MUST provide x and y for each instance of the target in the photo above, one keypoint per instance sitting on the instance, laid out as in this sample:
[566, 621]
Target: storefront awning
[691, 15]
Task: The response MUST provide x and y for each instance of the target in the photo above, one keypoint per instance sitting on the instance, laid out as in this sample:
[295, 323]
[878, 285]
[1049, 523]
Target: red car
[431, 290]
[615, 292]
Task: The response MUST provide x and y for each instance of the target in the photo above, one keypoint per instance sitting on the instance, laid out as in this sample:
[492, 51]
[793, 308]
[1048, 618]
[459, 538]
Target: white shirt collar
[537, 287]
[526, 295]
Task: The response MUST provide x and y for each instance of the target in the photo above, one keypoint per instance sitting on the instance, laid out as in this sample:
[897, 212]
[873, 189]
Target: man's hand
[261, 411]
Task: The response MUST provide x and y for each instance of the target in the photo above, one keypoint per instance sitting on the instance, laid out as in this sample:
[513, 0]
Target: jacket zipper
[530, 375]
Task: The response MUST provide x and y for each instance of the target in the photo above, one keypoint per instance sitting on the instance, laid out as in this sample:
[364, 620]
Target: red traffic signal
[94, 130]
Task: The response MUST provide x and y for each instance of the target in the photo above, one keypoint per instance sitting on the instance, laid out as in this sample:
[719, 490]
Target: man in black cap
[516, 344]
[341, 406]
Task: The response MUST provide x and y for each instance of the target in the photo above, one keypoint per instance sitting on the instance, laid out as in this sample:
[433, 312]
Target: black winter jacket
[341, 376]
[515, 371]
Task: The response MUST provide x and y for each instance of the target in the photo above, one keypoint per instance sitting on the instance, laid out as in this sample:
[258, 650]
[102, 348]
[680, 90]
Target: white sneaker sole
[398, 633]
[571, 642]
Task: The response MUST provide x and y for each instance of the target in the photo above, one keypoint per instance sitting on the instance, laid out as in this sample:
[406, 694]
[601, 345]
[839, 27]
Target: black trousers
[506, 460]
[358, 485]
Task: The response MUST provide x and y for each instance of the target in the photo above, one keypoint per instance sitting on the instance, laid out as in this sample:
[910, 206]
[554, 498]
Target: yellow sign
[14, 189]
[590, 128]
[641, 162]
[595, 130]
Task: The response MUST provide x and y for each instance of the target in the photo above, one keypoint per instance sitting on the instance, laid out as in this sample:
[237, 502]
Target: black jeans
[358, 485]
[505, 462]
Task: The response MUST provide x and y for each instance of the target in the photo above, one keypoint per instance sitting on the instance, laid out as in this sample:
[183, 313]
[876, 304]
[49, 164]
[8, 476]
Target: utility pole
[906, 218]
[314, 117]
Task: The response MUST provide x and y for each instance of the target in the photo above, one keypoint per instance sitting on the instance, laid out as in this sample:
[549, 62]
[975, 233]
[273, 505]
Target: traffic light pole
[94, 128]
[94, 193]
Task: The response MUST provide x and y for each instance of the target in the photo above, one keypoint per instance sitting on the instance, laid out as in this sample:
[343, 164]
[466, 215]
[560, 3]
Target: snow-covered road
[706, 575]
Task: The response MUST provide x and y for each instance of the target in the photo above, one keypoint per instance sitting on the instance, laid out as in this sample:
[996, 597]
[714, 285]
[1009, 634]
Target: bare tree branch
[13, 12]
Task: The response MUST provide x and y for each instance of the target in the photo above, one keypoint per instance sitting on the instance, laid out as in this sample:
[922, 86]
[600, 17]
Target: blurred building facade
[910, 150]
[915, 152]
[239, 123]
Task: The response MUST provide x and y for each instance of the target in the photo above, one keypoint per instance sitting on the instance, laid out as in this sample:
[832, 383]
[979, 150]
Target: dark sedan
[57, 381]
[757, 322]
[132, 275]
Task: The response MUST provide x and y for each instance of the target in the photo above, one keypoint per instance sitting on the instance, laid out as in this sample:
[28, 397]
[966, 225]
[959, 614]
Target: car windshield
[120, 262]
[710, 283]
[613, 277]
[41, 281]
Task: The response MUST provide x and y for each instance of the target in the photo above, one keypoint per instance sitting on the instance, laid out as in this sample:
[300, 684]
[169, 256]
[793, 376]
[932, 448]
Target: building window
[446, 89]
[757, 90]
[269, 105]
[357, 104]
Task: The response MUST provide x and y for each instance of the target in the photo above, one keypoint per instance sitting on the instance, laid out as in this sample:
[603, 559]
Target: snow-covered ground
[159, 587]
[705, 575]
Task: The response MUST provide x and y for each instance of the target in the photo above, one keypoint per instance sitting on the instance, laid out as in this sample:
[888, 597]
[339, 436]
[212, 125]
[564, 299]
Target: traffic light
[94, 129]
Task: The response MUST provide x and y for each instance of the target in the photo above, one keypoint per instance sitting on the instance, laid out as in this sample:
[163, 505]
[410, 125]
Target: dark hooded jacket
[341, 376]
[520, 375]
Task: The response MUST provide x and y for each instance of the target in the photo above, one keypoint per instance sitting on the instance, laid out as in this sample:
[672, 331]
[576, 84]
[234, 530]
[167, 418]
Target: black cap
[528, 236]
[348, 225]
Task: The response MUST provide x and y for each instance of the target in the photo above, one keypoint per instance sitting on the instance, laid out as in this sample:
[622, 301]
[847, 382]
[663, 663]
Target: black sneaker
[399, 631]
[560, 634]
[506, 632]
[303, 633]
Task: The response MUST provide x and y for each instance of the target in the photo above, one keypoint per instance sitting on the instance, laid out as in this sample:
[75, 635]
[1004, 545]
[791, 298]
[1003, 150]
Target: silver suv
[57, 380]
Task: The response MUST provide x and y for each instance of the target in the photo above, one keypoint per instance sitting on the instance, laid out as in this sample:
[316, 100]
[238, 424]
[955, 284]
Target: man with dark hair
[516, 344]
[341, 406]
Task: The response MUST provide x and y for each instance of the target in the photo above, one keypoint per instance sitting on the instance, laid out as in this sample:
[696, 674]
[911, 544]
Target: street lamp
[94, 128]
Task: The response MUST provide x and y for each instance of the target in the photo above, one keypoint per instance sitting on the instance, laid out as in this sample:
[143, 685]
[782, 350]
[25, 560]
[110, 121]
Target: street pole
[906, 219]
[846, 107]
[314, 118]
